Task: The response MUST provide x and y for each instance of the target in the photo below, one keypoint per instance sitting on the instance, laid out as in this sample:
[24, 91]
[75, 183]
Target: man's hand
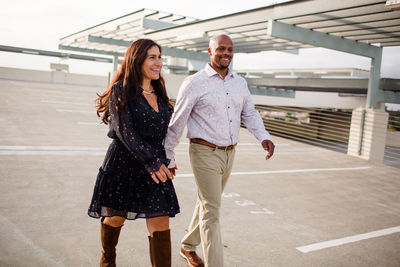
[172, 170]
[268, 146]
[162, 175]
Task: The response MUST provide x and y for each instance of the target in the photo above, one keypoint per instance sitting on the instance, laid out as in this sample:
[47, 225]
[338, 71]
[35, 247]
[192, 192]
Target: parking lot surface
[306, 206]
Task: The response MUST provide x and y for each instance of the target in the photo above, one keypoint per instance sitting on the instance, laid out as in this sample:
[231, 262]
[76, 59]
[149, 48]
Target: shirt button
[229, 107]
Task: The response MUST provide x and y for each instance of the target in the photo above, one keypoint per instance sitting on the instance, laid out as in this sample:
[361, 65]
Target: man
[212, 103]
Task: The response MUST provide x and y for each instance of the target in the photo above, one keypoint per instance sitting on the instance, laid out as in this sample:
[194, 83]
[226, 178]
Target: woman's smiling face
[151, 67]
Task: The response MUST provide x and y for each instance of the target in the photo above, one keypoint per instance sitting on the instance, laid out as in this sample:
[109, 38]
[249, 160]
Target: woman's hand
[162, 175]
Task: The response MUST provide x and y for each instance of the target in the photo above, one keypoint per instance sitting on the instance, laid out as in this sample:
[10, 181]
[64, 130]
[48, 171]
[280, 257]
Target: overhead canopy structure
[365, 21]
[360, 27]
[112, 37]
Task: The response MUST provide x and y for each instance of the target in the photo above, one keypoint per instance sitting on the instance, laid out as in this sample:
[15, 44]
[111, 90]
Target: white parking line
[263, 211]
[51, 92]
[75, 110]
[90, 123]
[303, 170]
[246, 202]
[244, 144]
[67, 103]
[52, 150]
[52, 97]
[349, 239]
[53, 153]
[289, 171]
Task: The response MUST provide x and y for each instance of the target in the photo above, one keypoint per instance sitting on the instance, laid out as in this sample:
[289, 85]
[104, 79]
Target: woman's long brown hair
[131, 76]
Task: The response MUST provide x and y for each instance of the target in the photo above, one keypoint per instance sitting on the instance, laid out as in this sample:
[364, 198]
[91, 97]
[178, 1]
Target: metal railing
[392, 149]
[328, 128]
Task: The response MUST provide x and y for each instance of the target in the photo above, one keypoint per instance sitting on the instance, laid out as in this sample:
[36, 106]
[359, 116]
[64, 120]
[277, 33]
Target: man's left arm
[252, 120]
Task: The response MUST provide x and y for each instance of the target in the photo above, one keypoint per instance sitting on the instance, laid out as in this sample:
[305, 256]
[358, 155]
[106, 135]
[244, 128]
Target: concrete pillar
[367, 138]
[115, 63]
[111, 75]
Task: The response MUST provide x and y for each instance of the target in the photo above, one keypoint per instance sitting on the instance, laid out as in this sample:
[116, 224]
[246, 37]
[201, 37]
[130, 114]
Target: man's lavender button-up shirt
[213, 108]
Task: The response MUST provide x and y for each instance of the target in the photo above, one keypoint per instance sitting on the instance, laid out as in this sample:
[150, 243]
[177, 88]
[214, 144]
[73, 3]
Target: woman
[134, 181]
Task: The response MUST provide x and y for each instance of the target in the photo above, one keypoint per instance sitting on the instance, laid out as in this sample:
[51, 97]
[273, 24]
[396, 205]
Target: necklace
[147, 92]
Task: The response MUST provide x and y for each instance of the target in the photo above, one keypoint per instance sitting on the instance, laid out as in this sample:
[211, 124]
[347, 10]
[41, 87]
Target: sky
[40, 24]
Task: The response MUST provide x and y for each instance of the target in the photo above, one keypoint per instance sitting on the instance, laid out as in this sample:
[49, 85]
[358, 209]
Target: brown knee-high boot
[109, 240]
[160, 249]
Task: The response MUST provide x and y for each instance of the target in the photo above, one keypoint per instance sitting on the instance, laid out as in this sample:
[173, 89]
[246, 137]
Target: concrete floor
[51, 147]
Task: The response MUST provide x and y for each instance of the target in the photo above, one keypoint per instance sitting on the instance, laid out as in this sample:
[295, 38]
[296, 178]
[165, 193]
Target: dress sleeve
[121, 123]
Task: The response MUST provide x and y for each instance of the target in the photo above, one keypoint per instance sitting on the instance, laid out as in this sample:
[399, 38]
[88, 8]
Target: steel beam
[373, 82]
[156, 24]
[88, 50]
[109, 41]
[319, 39]
[167, 51]
[52, 53]
[182, 53]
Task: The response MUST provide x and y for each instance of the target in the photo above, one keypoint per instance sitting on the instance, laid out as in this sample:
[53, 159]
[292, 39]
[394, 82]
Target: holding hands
[163, 174]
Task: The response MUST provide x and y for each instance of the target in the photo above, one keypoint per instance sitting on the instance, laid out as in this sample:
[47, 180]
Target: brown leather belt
[204, 142]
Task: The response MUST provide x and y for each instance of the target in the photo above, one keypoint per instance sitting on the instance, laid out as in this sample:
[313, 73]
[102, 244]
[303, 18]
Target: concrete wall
[52, 77]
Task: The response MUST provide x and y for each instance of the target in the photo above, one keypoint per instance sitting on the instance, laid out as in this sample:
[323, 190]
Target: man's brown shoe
[191, 258]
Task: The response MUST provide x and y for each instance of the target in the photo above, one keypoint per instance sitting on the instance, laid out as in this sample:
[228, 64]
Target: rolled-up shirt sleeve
[184, 104]
[251, 118]
[122, 124]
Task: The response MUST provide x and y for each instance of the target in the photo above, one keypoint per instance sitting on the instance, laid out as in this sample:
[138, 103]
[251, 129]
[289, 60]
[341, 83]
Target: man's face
[221, 52]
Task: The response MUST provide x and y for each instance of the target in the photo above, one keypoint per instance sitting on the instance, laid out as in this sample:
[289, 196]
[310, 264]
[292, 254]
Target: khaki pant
[211, 168]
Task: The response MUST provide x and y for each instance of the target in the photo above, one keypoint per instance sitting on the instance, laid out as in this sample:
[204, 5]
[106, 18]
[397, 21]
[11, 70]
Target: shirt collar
[211, 72]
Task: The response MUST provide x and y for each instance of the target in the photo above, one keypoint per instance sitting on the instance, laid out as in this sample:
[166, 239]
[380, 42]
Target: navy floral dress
[124, 186]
